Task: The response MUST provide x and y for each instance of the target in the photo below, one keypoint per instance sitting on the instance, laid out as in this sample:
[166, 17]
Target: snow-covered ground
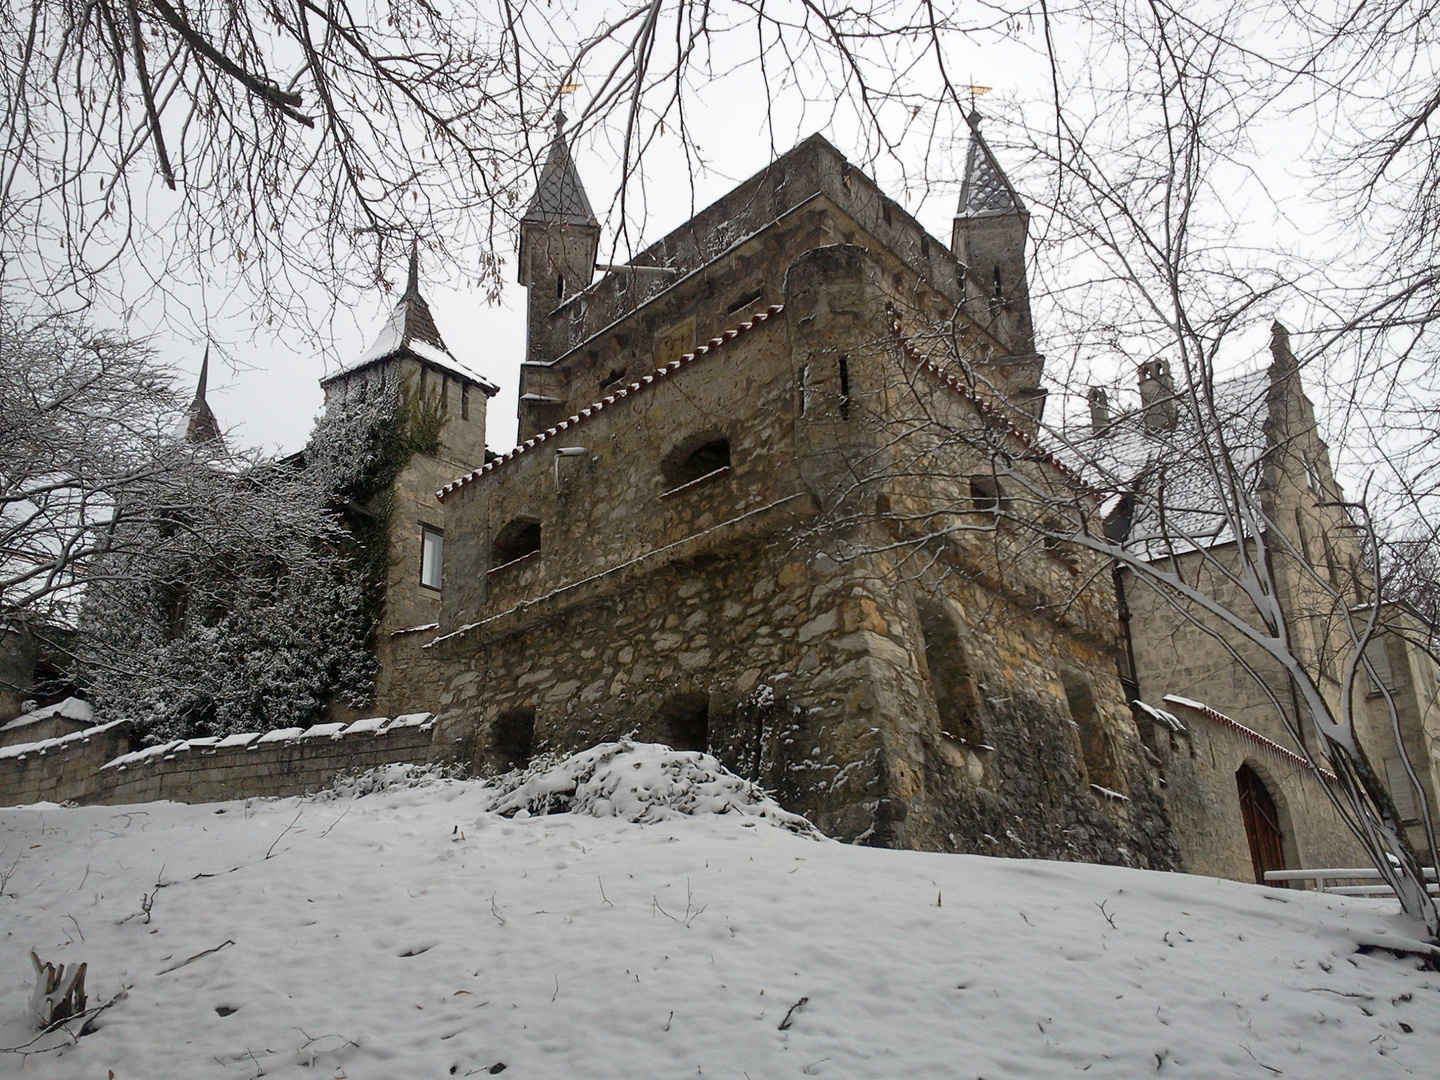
[414, 932]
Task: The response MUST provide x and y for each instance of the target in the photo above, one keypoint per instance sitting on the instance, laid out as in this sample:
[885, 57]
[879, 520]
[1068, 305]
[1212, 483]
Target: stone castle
[766, 502]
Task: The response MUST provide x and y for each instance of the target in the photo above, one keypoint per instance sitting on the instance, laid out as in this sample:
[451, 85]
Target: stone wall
[772, 611]
[1199, 766]
[98, 765]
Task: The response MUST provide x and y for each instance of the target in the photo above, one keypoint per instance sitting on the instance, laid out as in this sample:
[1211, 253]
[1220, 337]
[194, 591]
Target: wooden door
[1262, 823]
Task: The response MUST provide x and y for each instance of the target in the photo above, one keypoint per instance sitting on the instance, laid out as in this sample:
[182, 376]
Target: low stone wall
[97, 766]
[64, 769]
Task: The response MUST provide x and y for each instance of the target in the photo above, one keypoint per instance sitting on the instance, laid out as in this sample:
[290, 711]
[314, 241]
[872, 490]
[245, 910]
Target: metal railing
[1372, 883]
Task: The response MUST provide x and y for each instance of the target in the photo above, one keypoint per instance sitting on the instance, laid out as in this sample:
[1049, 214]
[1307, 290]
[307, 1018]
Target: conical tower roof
[986, 191]
[410, 329]
[560, 198]
[200, 424]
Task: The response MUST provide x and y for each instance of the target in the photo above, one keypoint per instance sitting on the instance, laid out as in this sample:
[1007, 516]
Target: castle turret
[409, 348]
[989, 236]
[559, 237]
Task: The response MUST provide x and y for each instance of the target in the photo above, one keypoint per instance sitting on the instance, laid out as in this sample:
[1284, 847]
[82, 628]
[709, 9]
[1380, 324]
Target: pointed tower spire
[410, 326]
[986, 190]
[559, 197]
[991, 227]
[412, 279]
[201, 426]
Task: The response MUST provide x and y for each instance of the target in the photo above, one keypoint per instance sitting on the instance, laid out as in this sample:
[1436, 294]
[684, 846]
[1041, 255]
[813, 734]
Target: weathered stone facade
[726, 545]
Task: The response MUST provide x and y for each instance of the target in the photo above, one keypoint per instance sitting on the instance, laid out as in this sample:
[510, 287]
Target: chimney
[1099, 411]
[1159, 410]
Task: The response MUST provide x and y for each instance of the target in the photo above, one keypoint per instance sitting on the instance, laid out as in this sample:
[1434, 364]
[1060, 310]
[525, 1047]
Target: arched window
[519, 538]
[695, 459]
[954, 690]
[684, 721]
[1262, 823]
[513, 737]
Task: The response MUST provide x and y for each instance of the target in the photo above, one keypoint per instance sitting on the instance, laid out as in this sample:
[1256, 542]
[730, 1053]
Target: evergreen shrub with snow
[641, 782]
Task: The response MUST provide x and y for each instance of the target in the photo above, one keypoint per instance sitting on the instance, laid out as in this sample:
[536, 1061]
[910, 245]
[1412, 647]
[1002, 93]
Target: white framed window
[432, 553]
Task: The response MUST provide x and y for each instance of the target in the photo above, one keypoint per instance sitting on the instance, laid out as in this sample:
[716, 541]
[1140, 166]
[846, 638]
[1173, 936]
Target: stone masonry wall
[764, 599]
[1200, 791]
[98, 766]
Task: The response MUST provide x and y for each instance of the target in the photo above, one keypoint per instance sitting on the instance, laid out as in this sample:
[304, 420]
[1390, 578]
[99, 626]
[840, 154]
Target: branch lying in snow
[197, 956]
[785, 1024]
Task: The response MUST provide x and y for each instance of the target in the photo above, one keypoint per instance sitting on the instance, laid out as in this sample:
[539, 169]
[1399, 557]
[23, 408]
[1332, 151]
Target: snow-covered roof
[72, 708]
[410, 329]
[985, 191]
[559, 197]
[1184, 478]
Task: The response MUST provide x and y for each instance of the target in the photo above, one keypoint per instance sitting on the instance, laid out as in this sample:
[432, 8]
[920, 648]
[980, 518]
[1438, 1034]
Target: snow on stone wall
[98, 765]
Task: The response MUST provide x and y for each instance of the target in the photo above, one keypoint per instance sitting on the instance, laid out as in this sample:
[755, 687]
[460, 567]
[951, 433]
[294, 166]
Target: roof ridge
[624, 392]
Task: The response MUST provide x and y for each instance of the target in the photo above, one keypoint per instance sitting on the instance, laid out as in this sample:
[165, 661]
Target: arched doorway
[1262, 823]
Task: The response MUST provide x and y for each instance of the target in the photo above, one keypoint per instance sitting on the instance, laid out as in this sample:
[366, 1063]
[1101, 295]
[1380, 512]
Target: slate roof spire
[410, 330]
[986, 191]
[200, 425]
[560, 198]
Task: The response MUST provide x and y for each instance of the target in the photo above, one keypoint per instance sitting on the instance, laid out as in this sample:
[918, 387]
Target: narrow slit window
[432, 554]
[464, 402]
[844, 387]
[804, 389]
[560, 287]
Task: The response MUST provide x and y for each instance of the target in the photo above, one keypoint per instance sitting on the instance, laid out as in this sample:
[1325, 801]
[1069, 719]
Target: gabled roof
[200, 424]
[986, 191]
[410, 329]
[559, 197]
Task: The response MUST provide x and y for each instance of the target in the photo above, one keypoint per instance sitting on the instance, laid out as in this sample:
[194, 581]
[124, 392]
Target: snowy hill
[416, 932]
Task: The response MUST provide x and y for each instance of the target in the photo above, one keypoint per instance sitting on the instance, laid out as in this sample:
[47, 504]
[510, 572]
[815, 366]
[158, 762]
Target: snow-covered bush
[396, 776]
[642, 782]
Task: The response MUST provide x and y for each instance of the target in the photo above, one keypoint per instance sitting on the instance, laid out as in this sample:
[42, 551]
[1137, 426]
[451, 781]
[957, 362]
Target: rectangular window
[1379, 658]
[1402, 793]
[464, 402]
[804, 389]
[432, 552]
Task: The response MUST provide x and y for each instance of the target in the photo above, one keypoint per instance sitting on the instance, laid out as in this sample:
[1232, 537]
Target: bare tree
[87, 428]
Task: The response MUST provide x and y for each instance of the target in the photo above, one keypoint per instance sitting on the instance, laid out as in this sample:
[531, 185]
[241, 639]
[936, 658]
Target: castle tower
[201, 427]
[991, 227]
[559, 238]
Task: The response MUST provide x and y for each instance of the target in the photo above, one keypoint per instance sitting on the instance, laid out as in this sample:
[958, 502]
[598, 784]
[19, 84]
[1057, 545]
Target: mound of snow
[642, 782]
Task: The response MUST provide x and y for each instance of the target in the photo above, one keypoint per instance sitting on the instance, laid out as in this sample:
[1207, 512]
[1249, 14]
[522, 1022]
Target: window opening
[985, 493]
[688, 467]
[804, 389]
[1402, 792]
[432, 553]
[1095, 744]
[1262, 823]
[464, 402]
[954, 690]
[513, 737]
[559, 286]
[514, 542]
[1381, 676]
[684, 721]
[844, 365]
[745, 301]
